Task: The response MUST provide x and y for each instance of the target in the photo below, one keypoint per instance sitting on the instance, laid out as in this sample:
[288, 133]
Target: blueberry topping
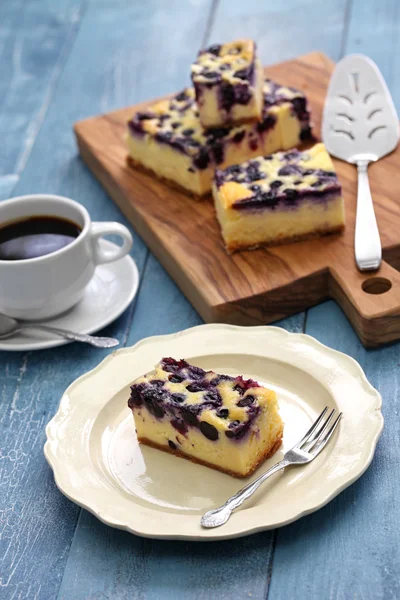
[171, 445]
[214, 49]
[196, 372]
[190, 418]
[209, 74]
[234, 424]
[144, 116]
[176, 378]
[289, 170]
[267, 123]
[218, 378]
[253, 144]
[305, 133]
[136, 395]
[157, 382]
[178, 397]
[269, 99]
[191, 170]
[191, 142]
[227, 96]
[237, 138]
[233, 170]
[179, 426]
[209, 431]
[290, 196]
[308, 172]
[218, 153]
[247, 401]
[275, 184]
[156, 410]
[297, 182]
[164, 136]
[252, 172]
[202, 160]
[181, 97]
[213, 397]
[299, 105]
[242, 74]
[223, 413]
[175, 124]
[187, 131]
[246, 384]
[197, 387]
[217, 133]
[293, 154]
[255, 188]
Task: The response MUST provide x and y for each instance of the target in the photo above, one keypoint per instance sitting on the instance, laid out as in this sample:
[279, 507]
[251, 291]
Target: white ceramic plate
[108, 294]
[97, 462]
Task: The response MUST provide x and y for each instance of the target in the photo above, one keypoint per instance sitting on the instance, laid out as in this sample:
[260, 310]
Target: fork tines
[318, 435]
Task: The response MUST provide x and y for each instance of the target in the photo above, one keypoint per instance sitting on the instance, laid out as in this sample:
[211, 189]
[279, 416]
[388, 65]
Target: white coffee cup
[43, 287]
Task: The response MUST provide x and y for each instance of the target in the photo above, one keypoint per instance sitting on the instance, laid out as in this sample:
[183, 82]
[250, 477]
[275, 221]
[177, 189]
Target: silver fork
[302, 453]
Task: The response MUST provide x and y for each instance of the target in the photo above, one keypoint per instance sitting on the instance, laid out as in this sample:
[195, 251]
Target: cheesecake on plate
[226, 423]
[280, 198]
[169, 140]
[228, 82]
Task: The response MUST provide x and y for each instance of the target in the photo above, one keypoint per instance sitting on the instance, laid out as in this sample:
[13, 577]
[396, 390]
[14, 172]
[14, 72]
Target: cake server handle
[367, 244]
[219, 516]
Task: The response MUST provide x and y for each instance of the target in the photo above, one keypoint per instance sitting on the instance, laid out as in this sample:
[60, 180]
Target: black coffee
[35, 236]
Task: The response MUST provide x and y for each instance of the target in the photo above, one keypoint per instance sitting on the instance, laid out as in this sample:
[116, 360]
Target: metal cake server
[10, 326]
[360, 125]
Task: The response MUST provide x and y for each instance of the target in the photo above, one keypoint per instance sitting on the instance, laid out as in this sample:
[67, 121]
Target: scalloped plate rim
[217, 534]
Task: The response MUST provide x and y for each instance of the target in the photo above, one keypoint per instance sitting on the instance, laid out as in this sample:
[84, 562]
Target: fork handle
[368, 249]
[248, 490]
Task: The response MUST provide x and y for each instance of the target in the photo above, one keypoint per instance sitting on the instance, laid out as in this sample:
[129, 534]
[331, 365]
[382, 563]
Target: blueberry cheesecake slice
[226, 423]
[169, 140]
[228, 82]
[280, 198]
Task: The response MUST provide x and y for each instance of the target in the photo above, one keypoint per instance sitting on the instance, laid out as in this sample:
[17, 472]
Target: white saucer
[109, 293]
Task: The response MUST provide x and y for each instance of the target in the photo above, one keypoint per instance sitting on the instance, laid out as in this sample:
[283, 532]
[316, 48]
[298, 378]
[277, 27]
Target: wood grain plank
[37, 522]
[255, 287]
[35, 39]
[350, 548]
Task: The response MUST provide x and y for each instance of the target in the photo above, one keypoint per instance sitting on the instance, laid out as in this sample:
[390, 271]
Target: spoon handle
[99, 342]
[368, 249]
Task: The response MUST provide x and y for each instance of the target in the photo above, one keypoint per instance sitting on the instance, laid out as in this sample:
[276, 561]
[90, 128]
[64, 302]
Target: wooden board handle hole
[376, 285]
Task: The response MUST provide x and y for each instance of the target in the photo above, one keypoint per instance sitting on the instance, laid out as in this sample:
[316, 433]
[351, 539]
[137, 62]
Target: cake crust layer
[135, 164]
[236, 247]
[267, 454]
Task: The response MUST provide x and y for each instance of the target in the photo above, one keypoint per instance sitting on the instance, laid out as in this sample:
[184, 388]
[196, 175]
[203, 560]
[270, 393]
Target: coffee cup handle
[105, 255]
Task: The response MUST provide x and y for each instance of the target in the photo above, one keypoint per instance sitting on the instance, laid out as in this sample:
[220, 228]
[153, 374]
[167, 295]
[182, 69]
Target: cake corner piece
[227, 423]
[228, 82]
[280, 198]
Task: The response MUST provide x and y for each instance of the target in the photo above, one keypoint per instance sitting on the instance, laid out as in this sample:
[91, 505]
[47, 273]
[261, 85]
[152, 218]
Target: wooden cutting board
[258, 287]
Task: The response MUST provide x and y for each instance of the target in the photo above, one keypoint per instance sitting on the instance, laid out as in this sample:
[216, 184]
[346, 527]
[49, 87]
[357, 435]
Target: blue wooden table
[66, 60]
